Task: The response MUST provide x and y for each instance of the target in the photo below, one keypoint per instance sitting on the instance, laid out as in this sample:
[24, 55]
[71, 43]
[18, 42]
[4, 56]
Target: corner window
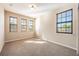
[64, 22]
[23, 24]
[12, 24]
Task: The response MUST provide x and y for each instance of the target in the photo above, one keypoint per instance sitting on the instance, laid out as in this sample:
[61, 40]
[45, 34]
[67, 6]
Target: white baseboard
[17, 39]
[1, 47]
[62, 44]
[48, 41]
[59, 44]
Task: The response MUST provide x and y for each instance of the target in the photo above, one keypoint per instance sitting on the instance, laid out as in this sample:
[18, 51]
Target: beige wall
[48, 27]
[78, 32]
[37, 26]
[1, 27]
[11, 36]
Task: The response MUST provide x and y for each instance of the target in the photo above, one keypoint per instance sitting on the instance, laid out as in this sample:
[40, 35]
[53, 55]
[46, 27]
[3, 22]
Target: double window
[64, 21]
[23, 24]
[30, 25]
[13, 24]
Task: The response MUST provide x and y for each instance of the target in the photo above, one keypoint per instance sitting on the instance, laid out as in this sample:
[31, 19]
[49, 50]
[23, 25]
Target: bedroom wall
[48, 27]
[12, 36]
[1, 27]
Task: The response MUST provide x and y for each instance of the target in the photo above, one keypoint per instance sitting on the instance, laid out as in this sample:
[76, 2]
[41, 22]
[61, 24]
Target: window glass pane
[63, 29]
[69, 13]
[14, 21]
[23, 24]
[68, 30]
[69, 18]
[13, 27]
[63, 19]
[13, 24]
[59, 19]
[59, 15]
[30, 22]
[30, 25]
[11, 20]
[69, 25]
[59, 29]
[60, 25]
[63, 14]
[64, 25]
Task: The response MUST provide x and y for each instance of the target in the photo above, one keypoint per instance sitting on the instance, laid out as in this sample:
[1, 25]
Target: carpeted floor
[35, 47]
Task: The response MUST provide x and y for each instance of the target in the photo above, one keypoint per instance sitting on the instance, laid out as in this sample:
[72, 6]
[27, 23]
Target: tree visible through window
[64, 22]
[12, 24]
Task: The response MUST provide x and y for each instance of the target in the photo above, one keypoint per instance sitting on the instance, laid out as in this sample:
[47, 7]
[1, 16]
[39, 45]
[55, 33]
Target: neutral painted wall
[37, 26]
[48, 27]
[12, 36]
[78, 32]
[1, 27]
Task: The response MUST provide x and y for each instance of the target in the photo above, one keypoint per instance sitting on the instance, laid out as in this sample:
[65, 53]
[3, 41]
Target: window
[23, 24]
[12, 24]
[64, 22]
[30, 25]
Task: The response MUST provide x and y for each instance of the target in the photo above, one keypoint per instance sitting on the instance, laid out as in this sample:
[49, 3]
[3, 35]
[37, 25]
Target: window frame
[23, 25]
[31, 29]
[65, 21]
[13, 24]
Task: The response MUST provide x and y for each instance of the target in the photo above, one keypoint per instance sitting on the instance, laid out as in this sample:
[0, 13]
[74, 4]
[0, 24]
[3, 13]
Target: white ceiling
[24, 8]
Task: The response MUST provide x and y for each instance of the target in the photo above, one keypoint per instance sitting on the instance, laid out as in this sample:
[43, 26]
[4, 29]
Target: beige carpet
[35, 47]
